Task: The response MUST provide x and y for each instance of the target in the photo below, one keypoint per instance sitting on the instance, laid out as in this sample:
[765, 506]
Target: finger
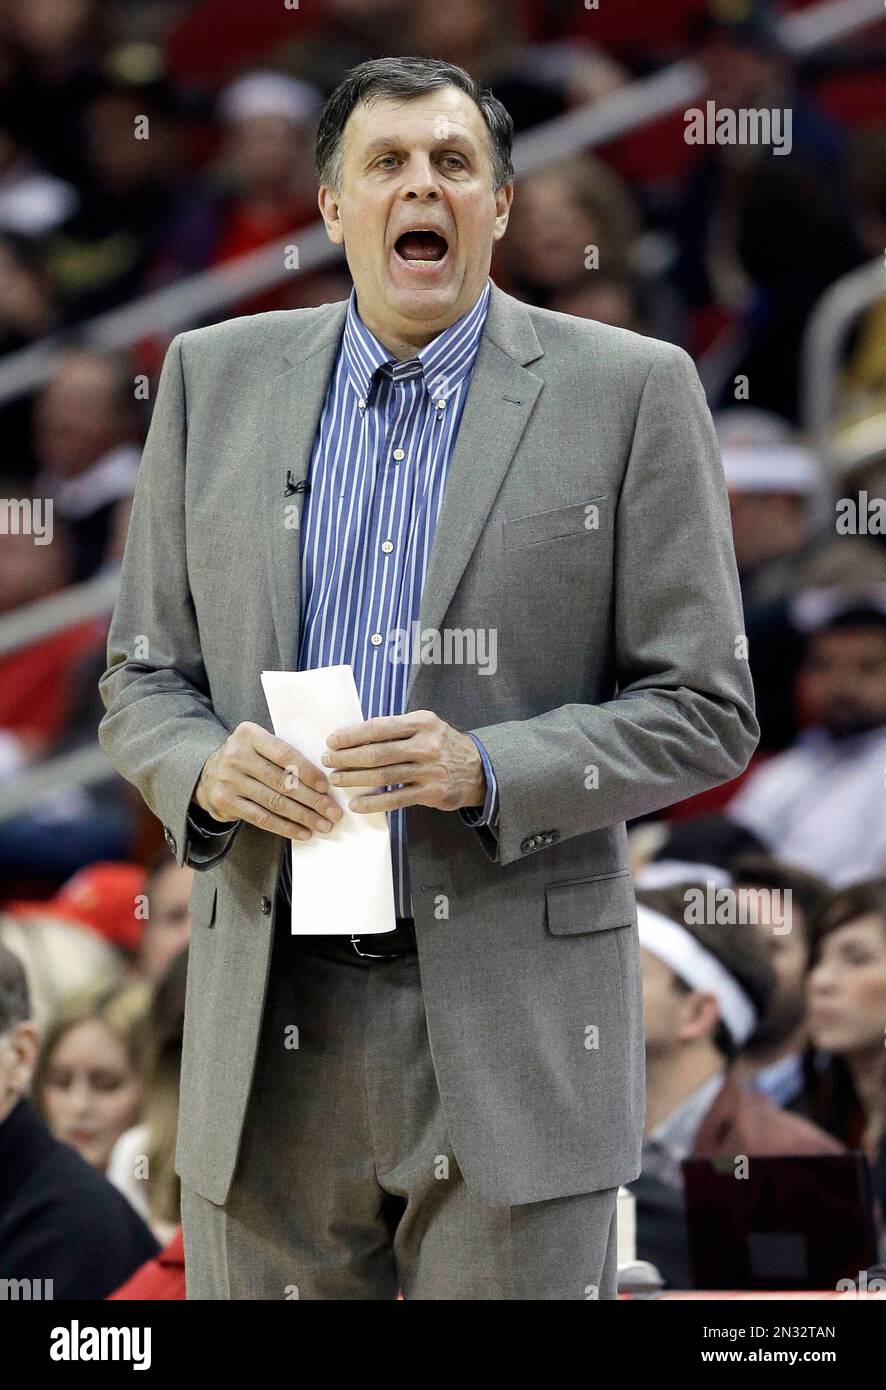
[259, 816]
[286, 808]
[375, 777]
[289, 783]
[387, 801]
[373, 755]
[282, 755]
[391, 726]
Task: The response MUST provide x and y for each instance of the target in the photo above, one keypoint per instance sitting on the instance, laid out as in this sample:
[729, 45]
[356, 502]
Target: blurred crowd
[144, 143]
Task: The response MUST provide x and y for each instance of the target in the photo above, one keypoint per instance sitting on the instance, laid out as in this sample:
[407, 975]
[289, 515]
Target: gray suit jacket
[585, 520]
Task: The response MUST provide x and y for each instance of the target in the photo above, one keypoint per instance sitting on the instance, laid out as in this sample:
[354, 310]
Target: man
[83, 439]
[783, 903]
[819, 805]
[705, 987]
[167, 928]
[61, 1221]
[454, 1120]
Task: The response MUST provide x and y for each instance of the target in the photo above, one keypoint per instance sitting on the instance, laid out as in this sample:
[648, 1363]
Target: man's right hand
[259, 778]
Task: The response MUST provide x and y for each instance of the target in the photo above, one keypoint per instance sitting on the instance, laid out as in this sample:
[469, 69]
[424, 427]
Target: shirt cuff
[487, 814]
[208, 840]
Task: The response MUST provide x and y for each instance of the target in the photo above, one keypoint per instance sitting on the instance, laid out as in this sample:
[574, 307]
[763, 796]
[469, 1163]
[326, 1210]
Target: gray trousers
[346, 1184]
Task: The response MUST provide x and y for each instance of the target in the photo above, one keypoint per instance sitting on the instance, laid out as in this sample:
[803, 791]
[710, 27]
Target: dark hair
[844, 905]
[15, 1004]
[810, 893]
[407, 78]
[738, 949]
[833, 1102]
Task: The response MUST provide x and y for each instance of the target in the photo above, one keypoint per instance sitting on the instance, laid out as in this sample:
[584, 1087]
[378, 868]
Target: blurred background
[156, 175]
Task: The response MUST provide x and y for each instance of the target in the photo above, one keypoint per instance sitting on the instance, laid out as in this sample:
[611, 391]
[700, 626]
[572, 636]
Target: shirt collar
[445, 360]
[677, 1132]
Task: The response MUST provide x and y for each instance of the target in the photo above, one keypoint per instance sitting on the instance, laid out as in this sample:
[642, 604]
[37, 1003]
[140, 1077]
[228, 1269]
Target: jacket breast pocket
[204, 893]
[591, 904]
[583, 520]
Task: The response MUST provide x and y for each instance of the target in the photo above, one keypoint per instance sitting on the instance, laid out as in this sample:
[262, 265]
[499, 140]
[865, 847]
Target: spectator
[85, 440]
[773, 483]
[847, 1022]
[820, 805]
[572, 218]
[60, 959]
[60, 1220]
[142, 1162]
[104, 253]
[705, 988]
[782, 904]
[738, 216]
[108, 899]
[37, 680]
[168, 924]
[87, 1083]
[159, 1280]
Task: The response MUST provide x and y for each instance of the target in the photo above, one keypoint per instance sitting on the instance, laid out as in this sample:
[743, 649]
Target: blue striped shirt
[378, 469]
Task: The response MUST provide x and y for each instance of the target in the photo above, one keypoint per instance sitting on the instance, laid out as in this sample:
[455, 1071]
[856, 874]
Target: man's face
[77, 419]
[845, 678]
[788, 954]
[168, 927]
[425, 162]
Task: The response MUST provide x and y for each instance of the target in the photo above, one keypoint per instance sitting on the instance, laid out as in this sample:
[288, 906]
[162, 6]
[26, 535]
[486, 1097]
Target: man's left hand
[436, 764]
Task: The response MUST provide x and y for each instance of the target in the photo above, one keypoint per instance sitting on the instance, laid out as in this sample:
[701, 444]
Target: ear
[503, 199]
[331, 214]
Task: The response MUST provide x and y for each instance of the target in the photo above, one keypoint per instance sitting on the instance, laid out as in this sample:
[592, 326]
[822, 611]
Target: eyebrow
[387, 142]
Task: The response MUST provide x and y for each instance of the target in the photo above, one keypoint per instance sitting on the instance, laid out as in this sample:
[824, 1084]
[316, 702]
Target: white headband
[698, 968]
[669, 873]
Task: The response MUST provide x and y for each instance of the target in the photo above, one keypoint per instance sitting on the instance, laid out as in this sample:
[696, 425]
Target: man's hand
[259, 778]
[438, 766]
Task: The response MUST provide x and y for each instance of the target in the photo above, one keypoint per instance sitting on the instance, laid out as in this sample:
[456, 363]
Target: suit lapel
[292, 407]
[500, 399]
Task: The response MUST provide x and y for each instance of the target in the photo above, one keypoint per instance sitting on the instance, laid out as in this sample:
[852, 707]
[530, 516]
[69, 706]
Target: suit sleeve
[159, 726]
[682, 719]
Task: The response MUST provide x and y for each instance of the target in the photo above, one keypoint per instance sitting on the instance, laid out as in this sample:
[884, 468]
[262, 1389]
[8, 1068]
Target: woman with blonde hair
[88, 1080]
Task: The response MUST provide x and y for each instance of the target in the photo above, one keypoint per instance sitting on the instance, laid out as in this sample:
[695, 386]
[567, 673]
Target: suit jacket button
[266, 907]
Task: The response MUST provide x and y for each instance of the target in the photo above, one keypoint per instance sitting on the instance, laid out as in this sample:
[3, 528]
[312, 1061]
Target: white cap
[786, 469]
[760, 454]
[269, 94]
[814, 609]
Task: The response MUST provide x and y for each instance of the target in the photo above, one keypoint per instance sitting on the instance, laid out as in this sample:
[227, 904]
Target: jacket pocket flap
[591, 904]
[201, 903]
[582, 519]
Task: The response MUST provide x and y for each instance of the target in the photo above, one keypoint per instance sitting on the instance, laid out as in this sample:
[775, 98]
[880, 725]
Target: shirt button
[399, 454]
[361, 403]
[387, 546]
[440, 404]
[376, 639]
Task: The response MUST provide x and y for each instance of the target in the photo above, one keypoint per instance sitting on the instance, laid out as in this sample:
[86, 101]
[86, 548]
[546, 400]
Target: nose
[81, 1097]
[421, 179]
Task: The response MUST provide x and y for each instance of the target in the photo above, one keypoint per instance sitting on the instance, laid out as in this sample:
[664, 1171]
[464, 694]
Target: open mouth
[421, 248]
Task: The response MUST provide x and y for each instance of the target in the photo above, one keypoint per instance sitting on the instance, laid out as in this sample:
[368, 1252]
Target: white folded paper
[342, 883]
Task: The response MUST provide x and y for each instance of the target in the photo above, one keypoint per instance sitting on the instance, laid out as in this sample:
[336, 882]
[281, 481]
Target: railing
[821, 351]
[200, 297]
